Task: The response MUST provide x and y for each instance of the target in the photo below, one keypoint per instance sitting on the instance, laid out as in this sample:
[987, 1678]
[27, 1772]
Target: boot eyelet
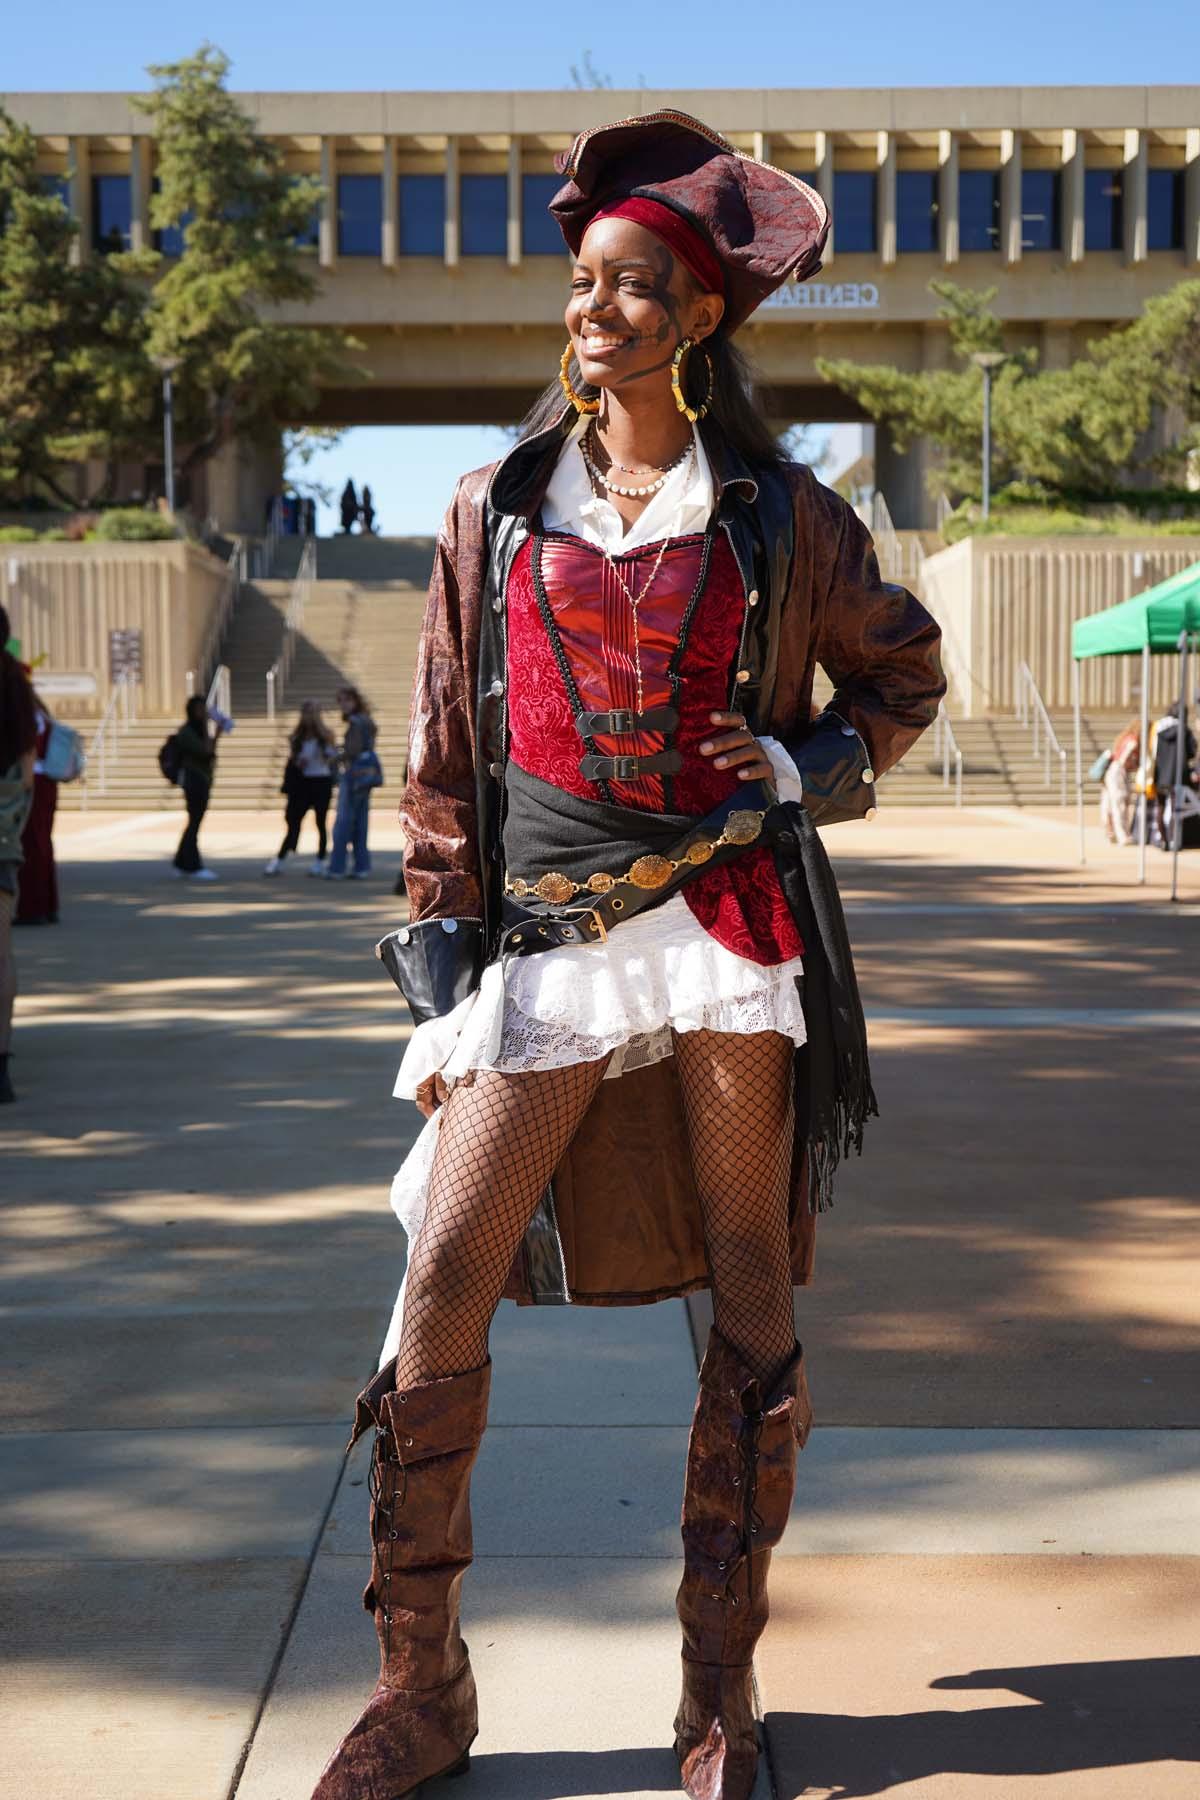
[403, 1399]
[393, 1535]
[720, 1565]
[716, 1596]
[733, 1600]
[408, 1443]
[737, 1481]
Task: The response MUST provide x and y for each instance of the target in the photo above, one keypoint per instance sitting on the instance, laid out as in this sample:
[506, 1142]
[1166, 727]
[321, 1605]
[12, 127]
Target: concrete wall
[1002, 601]
[65, 599]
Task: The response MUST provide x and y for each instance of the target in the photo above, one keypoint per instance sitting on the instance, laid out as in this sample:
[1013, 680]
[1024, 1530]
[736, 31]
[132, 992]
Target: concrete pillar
[1072, 195]
[823, 150]
[453, 211]
[1191, 196]
[901, 481]
[79, 177]
[327, 232]
[1057, 351]
[390, 236]
[1010, 196]
[140, 179]
[885, 198]
[948, 196]
[1134, 198]
[515, 208]
[760, 147]
[239, 478]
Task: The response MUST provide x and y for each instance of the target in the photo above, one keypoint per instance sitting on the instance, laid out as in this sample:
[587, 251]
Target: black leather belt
[620, 722]
[630, 768]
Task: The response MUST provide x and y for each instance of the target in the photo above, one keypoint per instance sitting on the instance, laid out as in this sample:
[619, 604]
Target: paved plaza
[991, 1582]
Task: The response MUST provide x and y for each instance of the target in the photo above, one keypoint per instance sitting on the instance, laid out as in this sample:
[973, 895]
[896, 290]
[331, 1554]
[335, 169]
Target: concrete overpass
[433, 245]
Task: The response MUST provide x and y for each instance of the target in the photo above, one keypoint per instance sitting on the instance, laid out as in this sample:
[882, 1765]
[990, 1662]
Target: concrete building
[433, 245]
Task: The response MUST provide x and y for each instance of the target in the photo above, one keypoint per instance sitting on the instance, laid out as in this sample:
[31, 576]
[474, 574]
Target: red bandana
[680, 237]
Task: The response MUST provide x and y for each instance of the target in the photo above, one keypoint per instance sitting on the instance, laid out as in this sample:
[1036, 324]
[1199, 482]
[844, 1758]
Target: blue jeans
[350, 829]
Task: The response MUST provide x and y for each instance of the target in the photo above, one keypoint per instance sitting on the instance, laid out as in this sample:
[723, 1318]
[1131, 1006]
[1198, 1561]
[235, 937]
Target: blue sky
[515, 44]
[372, 45]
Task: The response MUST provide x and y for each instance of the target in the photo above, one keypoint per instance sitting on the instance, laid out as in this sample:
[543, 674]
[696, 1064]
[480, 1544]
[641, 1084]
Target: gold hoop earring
[577, 400]
[678, 374]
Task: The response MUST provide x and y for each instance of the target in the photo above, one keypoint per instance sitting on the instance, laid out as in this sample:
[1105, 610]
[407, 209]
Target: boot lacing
[748, 1440]
[386, 1494]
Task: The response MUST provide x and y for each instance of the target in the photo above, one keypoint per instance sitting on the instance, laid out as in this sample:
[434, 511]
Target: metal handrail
[945, 744]
[1031, 712]
[104, 739]
[293, 620]
[235, 574]
[220, 691]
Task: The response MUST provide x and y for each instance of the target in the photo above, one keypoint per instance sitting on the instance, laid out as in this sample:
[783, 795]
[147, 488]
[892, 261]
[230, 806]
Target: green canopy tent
[1163, 620]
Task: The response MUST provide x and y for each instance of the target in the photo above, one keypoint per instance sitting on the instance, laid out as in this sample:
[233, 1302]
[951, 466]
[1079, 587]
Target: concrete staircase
[361, 625]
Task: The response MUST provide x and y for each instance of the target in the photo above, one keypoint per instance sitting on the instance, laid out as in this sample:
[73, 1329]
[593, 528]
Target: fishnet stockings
[502, 1136]
[737, 1099]
[499, 1141]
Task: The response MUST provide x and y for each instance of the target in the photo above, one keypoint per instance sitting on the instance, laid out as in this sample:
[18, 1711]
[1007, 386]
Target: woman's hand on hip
[734, 746]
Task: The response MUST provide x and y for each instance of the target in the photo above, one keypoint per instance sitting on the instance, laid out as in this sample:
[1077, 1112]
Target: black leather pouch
[436, 963]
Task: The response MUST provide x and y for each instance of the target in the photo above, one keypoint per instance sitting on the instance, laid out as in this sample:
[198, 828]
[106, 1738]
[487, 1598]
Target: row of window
[855, 223]
[483, 212]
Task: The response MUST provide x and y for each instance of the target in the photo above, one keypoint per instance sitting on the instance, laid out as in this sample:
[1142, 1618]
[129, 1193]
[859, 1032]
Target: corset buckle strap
[630, 768]
[621, 722]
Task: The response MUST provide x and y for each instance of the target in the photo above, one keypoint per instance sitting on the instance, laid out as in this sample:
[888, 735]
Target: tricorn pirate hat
[721, 211]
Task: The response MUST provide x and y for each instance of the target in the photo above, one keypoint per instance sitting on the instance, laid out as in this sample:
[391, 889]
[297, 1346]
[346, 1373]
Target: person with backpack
[18, 742]
[360, 772]
[307, 784]
[192, 754]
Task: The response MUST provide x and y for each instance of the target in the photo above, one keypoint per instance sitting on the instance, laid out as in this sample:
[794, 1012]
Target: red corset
[742, 904]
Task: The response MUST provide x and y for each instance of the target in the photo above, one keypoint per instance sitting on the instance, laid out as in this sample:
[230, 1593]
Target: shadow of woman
[1092, 1715]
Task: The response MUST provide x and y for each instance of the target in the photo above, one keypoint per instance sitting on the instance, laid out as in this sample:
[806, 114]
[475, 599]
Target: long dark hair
[17, 728]
[733, 417]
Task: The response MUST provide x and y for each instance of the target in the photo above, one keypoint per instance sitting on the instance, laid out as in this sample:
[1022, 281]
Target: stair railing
[293, 620]
[945, 745]
[1031, 712]
[104, 745]
[235, 574]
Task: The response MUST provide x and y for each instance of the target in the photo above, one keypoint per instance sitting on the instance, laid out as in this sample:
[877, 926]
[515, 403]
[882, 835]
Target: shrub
[130, 525]
[18, 534]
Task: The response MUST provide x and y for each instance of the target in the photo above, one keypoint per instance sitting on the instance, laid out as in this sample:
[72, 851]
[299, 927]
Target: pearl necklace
[631, 493]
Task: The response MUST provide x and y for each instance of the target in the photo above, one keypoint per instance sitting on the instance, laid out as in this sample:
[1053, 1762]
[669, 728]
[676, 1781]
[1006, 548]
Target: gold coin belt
[647, 873]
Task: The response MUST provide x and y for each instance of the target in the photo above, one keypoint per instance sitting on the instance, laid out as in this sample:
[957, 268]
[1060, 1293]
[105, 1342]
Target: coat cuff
[834, 766]
[435, 963]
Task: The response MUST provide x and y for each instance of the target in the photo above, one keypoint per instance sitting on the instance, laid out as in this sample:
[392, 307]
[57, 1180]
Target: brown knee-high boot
[741, 1471]
[422, 1719]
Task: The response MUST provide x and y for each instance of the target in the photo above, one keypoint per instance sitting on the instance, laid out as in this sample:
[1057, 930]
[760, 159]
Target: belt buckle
[594, 915]
[625, 768]
[621, 722]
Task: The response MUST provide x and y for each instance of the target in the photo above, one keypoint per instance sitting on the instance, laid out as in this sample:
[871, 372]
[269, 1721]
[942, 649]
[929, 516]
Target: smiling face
[632, 304]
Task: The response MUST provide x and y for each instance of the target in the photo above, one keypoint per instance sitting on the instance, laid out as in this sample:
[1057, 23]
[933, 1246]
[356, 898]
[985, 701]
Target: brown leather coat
[623, 1225]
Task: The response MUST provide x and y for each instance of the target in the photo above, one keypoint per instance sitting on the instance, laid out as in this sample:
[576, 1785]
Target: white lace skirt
[661, 972]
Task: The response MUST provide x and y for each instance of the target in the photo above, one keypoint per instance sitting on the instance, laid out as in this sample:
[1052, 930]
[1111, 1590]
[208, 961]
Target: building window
[854, 210]
[1164, 209]
[916, 210]
[484, 202]
[56, 187]
[978, 209]
[168, 239]
[112, 213]
[360, 215]
[422, 215]
[540, 235]
[1103, 210]
[1041, 209]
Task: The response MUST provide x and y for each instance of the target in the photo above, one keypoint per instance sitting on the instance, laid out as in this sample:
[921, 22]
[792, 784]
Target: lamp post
[166, 366]
[989, 361]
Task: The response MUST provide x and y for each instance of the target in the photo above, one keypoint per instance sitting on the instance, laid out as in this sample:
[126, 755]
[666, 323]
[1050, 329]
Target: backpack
[169, 760]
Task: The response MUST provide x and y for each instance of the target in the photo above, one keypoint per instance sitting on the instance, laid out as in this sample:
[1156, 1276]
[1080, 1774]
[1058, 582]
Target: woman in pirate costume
[639, 1043]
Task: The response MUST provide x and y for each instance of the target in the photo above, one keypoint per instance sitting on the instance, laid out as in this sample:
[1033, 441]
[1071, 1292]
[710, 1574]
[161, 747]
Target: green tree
[239, 371]
[74, 379]
[1059, 432]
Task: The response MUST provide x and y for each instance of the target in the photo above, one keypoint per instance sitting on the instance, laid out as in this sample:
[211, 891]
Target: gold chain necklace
[634, 604]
